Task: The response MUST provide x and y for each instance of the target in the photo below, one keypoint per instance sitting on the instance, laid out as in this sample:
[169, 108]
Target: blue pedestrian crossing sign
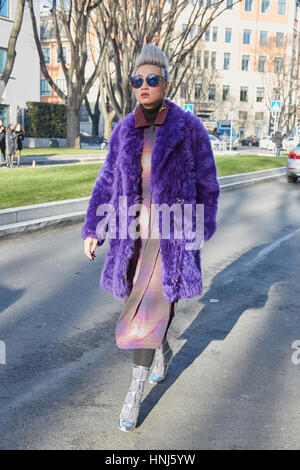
[189, 108]
[275, 106]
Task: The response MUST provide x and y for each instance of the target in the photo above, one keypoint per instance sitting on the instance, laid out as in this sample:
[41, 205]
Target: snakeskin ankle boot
[162, 363]
[130, 411]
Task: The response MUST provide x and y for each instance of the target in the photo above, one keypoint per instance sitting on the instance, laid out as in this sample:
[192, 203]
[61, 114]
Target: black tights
[144, 357]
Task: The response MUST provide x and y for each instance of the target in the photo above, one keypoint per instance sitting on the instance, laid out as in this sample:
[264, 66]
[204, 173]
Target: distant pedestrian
[11, 145]
[224, 141]
[278, 138]
[215, 132]
[2, 141]
[20, 137]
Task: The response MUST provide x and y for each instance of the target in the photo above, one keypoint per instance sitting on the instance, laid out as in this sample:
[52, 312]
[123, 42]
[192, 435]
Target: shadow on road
[238, 289]
[9, 296]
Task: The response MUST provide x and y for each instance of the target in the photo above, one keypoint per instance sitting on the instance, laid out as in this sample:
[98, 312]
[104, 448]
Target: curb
[34, 217]
[44, 160]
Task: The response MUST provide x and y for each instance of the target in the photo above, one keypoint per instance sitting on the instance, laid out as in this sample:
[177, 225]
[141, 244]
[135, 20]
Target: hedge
[45, 119]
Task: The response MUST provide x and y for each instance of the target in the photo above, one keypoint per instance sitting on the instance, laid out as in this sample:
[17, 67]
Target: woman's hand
[90, 245]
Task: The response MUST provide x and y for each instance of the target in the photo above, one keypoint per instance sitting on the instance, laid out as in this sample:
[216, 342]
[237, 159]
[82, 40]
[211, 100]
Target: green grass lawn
[24, 186]
[58, 151]
[233, 164]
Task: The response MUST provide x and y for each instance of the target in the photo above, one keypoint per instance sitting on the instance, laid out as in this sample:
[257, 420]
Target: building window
[183, 91]
[228, 34]
[259, 95]
[215, 34]
[83, 114]
[213, 60]
[258, 131]
[3, 57]
[243, 115]
[262, 60]
[275, 94]
[241, 133]
[206, 59]
[4, 8]
[263, 38]
[4, 114]
[184, 31]
[45, 88]
[64, 50]
[197, 91]
[46, 54]
[245, 62]
[248, 5]
[62, 84]
[226, 92]
[193, 32]
[212, 92]
[281, 6]
[246, 36]
[229, 4]
[259, 116]
[226, 60]
[279, 39]
[198, 60]
[207, 34]
[244, 93]
[278, 62]
[265, 6]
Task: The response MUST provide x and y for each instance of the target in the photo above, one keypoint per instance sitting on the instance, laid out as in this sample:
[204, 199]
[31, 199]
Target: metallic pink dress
[145, 316]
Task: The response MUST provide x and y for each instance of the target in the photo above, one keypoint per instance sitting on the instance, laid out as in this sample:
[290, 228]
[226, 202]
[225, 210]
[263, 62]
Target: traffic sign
[275, 106]
[189, 108]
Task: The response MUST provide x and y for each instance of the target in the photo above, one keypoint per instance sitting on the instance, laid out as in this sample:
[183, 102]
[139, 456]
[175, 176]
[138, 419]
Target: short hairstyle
[151, 54]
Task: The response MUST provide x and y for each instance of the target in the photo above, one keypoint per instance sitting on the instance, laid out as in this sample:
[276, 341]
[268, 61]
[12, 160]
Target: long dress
[146, 313]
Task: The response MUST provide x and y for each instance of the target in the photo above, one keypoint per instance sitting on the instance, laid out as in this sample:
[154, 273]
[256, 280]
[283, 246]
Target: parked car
[290, 142]
[216, 144]
[293, 165]
[251, 140]
[267, 143]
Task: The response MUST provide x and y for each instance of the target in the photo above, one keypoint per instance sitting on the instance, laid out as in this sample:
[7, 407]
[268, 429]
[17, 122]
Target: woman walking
[158, 155]
[11, 145]
[20, 137]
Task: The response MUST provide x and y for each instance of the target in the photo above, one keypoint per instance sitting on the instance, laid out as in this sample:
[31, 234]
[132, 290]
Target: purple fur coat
[182, 170]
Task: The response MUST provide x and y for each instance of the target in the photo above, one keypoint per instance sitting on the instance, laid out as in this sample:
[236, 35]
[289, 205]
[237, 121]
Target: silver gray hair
[151, 54]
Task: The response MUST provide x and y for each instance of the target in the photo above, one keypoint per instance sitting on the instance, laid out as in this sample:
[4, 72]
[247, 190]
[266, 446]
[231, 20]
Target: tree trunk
[108, 119]
[73, 127]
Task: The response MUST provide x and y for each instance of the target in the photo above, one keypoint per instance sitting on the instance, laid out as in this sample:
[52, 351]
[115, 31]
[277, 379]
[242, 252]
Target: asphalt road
[234, 383]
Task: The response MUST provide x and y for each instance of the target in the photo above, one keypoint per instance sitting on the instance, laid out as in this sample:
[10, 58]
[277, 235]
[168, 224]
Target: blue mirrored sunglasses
[151, 80]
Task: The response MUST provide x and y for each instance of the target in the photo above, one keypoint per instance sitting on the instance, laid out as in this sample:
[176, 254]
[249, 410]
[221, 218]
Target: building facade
[247, 57]
[24, 84]
[251, 56]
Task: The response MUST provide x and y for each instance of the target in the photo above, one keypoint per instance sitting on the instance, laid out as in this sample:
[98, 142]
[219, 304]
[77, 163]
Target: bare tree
[281, 83]
[11, 49]
[138, 22]
[70, 18]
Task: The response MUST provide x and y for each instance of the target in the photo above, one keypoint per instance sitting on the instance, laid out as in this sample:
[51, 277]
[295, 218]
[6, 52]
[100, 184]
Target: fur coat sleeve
[102, 191]
[207, 185]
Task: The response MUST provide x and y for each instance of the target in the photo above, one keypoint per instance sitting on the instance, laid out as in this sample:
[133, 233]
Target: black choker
[151, 114]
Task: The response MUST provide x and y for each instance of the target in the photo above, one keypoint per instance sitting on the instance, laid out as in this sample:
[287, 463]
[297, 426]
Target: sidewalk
[59, 159]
